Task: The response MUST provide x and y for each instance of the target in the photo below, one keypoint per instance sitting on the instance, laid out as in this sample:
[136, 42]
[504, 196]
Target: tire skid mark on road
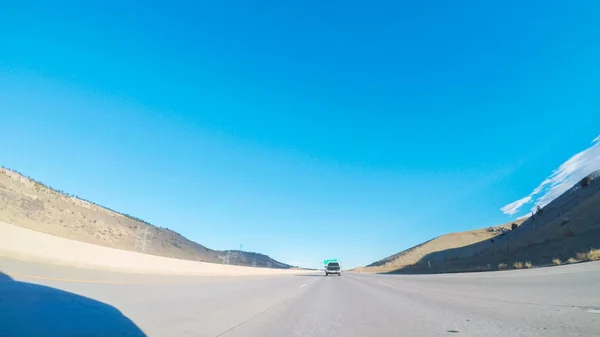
[258, 314]
[251, 318]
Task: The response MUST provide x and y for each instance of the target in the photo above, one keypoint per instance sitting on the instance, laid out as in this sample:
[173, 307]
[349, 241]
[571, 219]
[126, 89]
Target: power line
[141, 239]
[226, 257]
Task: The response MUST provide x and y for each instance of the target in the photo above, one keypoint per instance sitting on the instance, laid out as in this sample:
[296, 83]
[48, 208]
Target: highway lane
[558, 301]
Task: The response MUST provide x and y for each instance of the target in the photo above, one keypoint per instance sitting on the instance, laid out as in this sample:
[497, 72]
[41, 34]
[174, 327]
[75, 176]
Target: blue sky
[303, 130]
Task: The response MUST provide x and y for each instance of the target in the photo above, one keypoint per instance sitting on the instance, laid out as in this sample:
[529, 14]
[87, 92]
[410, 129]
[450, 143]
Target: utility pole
[137, 240]
[225, 258]
[141, 238]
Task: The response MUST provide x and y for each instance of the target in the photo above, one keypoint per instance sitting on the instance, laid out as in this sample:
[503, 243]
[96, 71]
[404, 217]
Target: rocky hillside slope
[414, 254]
[31, 204]
[567, 229]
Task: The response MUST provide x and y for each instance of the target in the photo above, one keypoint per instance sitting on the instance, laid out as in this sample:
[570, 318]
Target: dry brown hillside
[564, 229]
[415, 254]
[30, 204]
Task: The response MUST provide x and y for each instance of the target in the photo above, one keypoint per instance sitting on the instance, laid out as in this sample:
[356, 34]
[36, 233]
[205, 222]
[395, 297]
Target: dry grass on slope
[560, 231]
[30, 204]
[33, 205]
[448, 241]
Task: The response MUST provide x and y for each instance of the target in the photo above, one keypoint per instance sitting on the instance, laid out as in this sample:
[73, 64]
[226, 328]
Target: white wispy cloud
[513, 207]
[567, 175]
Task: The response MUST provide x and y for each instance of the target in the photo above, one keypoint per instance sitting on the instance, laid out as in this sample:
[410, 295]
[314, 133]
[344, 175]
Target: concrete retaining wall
[22, 243]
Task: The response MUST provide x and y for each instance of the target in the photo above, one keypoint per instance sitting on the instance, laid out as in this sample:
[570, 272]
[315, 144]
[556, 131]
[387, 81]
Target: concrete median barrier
[21, 243]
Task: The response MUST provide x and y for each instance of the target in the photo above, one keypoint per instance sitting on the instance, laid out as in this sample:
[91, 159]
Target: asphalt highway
[45, 300]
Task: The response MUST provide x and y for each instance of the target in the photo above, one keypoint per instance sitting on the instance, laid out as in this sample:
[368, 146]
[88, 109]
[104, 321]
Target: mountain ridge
[566, 229]
[32, 204]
